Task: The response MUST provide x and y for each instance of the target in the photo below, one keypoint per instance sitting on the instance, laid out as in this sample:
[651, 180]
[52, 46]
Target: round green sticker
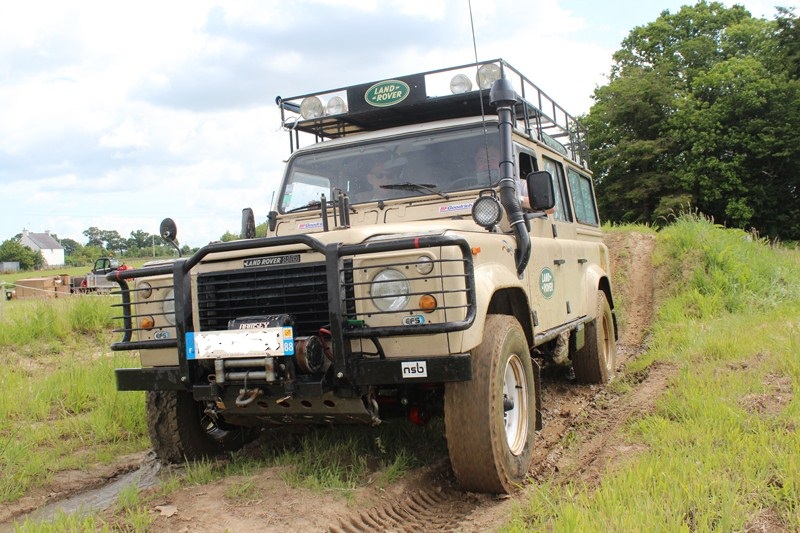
[547, 283]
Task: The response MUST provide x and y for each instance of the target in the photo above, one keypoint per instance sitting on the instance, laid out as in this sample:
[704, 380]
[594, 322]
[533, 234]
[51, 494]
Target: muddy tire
[597, 360]
[180, 430]
[490, 420]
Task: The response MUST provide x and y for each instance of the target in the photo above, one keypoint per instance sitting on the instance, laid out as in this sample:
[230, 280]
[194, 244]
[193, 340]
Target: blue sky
[116, 115]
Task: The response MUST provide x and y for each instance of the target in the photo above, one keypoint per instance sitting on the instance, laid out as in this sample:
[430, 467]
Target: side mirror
[540, 190]
[272, 220]
[168, 230]
[248, 224]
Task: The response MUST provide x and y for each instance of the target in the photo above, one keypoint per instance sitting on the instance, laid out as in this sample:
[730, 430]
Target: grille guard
[334, 255]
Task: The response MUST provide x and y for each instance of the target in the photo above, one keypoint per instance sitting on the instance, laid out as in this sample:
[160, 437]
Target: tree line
[99, 243]
[702, 112]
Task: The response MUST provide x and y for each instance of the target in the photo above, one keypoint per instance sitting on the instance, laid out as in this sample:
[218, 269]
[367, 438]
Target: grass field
[719, 451]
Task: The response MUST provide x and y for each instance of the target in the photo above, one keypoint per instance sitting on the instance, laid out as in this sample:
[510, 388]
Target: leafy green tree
[702, 109]
[140, 239]
[228, 236]
[70, 246]
[12, 251]
[94, 236]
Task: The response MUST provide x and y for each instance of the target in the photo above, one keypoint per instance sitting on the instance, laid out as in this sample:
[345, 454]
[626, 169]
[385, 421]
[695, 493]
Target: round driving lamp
[311, 107]
[460, 84]
[424, 265]
[487, 75]
[389, 290]
[487, 211]
[337, 106]
[145, 290]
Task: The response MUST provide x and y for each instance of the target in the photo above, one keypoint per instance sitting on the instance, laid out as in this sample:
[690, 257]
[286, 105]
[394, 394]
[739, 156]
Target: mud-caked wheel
[490, 420]
[597, 360]
[181, 430]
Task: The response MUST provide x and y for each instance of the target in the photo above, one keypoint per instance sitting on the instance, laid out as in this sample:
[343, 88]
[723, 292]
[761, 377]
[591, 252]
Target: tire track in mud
[435, 509]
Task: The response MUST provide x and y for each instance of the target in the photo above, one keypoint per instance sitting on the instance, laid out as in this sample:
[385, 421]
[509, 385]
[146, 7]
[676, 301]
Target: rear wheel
[490, 420]
[181, 430]
[596, 361]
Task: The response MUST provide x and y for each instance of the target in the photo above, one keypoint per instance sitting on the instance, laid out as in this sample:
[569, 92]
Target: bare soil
[427, 499]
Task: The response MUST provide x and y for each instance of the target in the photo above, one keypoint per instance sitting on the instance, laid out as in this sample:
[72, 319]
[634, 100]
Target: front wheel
[181, 430]
[490, 420]
[596, 361]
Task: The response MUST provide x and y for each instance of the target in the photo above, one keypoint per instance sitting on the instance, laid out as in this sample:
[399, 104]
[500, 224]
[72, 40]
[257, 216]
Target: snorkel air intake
[503, 97]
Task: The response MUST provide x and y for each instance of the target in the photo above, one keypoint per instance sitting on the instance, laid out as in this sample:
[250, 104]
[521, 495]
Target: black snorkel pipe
[503, 97]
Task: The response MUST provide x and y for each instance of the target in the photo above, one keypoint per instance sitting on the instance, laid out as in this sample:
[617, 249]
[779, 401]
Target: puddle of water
[97, 499]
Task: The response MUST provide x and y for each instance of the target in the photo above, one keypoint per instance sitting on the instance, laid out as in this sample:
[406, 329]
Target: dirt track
[429, 499]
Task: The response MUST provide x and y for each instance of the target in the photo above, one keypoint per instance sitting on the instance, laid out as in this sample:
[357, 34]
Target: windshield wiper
[310, 205]
[417, 187]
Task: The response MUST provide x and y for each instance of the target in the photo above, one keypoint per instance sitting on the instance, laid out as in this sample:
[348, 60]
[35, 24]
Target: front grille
[299, 290]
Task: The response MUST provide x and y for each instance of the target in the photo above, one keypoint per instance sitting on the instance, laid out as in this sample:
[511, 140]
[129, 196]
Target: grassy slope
[720, 452]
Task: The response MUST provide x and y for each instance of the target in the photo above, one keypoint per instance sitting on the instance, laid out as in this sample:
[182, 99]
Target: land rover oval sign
[387, 93]
[547, 283]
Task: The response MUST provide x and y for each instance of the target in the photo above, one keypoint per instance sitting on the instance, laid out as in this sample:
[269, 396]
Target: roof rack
[431, 96]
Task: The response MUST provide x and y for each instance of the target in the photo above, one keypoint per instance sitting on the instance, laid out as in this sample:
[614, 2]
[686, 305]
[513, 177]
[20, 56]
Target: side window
[559, 188]
[527, 164]
[582, 198]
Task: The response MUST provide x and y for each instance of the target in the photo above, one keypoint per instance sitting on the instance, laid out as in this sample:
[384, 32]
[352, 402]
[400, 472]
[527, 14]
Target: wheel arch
[597, 279]
[512, 301]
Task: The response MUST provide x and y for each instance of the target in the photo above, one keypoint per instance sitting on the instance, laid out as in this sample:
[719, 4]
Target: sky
[118, 114]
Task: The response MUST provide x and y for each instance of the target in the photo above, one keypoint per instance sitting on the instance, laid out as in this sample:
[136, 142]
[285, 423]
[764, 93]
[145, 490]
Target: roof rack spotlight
[311, 107]
[336, 106]
[460, 84]
[488, 74]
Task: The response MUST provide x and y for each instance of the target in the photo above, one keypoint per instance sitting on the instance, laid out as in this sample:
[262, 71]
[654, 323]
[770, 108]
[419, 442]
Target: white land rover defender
[426, 252]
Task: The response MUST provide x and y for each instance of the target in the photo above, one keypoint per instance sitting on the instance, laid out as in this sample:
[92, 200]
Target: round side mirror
[168, 230]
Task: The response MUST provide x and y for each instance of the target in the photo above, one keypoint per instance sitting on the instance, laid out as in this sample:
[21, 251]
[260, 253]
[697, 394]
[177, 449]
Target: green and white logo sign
[387, 93]
[547, 283]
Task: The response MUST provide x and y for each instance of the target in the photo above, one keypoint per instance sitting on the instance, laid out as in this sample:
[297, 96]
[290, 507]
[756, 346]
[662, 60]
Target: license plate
[275, 341]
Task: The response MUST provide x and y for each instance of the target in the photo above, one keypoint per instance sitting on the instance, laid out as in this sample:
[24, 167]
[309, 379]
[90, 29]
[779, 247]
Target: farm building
[52, 251]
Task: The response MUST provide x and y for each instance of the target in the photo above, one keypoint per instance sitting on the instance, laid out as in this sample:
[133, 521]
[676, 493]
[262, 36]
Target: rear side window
[582, 198]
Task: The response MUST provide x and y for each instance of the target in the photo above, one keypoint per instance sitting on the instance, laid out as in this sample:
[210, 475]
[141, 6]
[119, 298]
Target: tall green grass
[722, 447]
[59, 409]
[48, 321]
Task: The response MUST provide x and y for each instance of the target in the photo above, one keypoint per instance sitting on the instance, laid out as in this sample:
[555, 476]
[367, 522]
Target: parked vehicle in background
[96, 281]
[435, 244]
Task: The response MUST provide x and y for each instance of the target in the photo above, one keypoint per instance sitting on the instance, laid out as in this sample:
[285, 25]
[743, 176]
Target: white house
[52, 251]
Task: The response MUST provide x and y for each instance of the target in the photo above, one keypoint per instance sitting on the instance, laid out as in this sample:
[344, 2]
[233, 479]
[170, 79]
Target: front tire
[181, 430]
[597, 360]
[490, 420]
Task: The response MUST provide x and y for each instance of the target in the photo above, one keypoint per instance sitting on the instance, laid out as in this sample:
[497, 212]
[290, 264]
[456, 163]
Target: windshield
[427, 163]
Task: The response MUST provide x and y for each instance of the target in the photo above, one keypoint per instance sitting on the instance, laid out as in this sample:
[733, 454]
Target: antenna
[480, 89]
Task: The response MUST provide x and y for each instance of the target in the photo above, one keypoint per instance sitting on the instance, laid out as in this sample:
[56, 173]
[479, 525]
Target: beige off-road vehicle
[434, 242]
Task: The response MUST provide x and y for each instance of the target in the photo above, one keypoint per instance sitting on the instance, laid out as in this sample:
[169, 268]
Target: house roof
[43, 241]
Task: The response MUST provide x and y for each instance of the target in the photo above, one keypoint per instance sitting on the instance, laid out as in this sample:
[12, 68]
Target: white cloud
[115, 115]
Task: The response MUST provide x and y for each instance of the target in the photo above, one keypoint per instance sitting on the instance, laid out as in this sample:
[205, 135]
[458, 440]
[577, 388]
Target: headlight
[168, 307]
[389, 290]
